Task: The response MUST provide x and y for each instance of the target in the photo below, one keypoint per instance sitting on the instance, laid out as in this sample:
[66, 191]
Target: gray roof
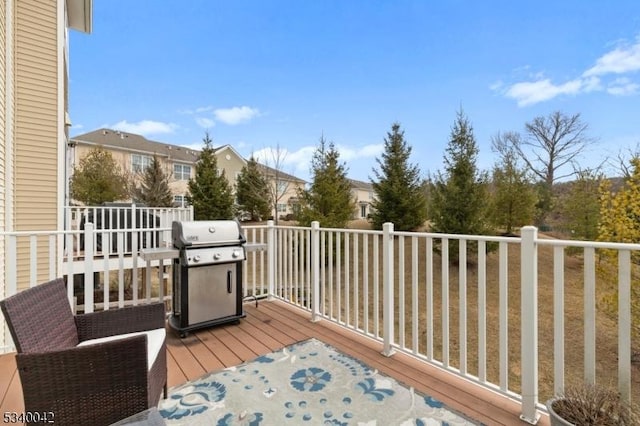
[137, 143]
[358, 184]
[271, 172]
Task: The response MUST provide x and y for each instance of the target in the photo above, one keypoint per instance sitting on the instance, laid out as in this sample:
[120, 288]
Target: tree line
[536, 179]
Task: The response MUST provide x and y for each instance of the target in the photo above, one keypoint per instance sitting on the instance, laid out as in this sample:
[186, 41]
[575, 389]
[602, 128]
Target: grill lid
[206, 233]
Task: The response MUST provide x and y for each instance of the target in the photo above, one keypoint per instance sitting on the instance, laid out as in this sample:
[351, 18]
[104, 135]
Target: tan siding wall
[3, 144]
[36, 124]
[231, 166]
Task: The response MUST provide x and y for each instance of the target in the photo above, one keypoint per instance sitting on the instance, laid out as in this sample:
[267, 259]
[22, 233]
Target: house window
[140, 162]
[180, 201]
[282, 208]
[363, 211]
[181, 172]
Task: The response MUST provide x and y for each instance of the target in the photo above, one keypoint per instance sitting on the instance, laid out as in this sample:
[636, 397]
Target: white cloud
[348, 153]
[529, 93]
[144, 127]
[623, 87]
[621, 60]
[205, 123]
[198, 110]
[591, 84]
[235, 115]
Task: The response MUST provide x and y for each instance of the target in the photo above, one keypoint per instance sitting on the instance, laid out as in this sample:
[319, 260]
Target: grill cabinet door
[212, 292]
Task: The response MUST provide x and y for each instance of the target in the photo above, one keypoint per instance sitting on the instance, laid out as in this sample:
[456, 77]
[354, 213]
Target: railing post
[271, 259]
[88, 267]
[315, 270]
[529, 323]
[387, 288]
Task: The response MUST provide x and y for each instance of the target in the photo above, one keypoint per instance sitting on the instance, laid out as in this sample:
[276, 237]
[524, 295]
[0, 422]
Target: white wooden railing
[382, 284]
[402, 289]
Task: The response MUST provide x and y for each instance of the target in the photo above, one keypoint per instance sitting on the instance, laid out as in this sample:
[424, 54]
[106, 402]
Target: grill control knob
[196, 258]
[217, 256]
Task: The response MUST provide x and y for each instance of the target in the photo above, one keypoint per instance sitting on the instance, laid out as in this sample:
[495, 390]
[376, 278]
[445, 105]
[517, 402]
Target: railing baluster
[482, 311]
[52, 256]
[106, 249]
[445, 302]
[558, 320]
[624, 325]
[589, 315]
[356, 282]
[401, 297]
[462, 305]
[339, 274]
[414, 294]
[429, 295]
[376, 286]
[365, 282]
[347, 286]
[33, 260]
[330, 262]
[503, 315]
[388, 288]
[88, 267]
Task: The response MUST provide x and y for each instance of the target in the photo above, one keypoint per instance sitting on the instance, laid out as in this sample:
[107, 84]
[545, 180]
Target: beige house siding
[231, 162]
[363, 194]
[36, 128]
[36, 131]
[3, 140]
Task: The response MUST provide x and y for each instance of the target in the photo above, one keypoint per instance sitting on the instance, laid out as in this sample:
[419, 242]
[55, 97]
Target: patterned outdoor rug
[306, 383]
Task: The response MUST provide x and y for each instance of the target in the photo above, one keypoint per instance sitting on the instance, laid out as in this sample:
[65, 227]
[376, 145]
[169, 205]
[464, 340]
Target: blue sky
[262, 74]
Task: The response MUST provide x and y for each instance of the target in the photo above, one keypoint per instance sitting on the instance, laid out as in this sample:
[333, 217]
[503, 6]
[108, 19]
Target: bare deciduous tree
[274, 160]
[551, 143]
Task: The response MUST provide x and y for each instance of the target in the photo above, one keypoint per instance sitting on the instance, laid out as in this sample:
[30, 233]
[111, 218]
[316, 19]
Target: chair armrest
[94, 384]
[129, 319]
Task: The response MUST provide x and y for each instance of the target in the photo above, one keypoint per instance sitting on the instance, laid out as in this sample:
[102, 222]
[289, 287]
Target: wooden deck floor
[274, 325]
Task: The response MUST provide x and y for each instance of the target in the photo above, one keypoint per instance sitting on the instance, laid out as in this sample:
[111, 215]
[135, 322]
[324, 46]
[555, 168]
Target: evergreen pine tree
[329, 199]
[399, 193]
[252, 191]
[154, 190]
[514, 198]
[581, 206]
[210, 193]
[459, 195]
[99, 179]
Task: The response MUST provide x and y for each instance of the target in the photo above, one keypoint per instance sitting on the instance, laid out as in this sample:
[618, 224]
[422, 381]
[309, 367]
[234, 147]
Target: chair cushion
[155, 339]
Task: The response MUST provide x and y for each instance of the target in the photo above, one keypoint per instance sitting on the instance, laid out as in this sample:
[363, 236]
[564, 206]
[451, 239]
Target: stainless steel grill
[207, 275]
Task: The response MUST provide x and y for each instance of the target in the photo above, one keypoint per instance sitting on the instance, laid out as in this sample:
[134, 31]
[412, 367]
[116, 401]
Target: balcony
[492, 326]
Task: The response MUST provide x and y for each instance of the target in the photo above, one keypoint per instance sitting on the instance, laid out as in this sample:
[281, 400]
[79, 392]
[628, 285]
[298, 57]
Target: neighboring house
[363, 195]
[285, 189]
[135, 152]
[34, 121]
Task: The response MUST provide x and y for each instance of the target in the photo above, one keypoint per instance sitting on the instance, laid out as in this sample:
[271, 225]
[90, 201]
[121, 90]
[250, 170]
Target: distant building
[135, 152]
[364, 196]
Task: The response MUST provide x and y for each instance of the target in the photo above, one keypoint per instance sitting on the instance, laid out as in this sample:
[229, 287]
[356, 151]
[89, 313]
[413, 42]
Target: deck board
[273, 325]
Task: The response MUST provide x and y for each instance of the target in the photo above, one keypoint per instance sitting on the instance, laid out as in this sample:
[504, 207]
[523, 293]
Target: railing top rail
[593, 244]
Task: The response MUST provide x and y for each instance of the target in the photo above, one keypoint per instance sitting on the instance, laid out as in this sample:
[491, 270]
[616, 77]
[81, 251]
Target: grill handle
[229, 289]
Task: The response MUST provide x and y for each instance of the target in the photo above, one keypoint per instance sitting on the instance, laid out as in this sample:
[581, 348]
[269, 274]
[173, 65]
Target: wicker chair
[85, 383]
